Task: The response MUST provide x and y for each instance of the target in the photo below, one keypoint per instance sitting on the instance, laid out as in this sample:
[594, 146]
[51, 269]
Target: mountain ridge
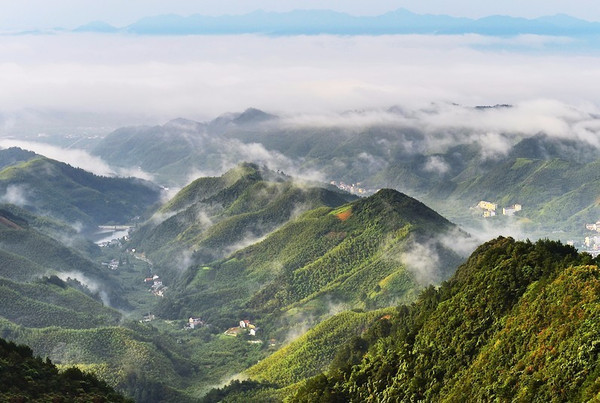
[314, 22]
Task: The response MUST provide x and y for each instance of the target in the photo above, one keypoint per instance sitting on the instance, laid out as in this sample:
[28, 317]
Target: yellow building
[487, 205]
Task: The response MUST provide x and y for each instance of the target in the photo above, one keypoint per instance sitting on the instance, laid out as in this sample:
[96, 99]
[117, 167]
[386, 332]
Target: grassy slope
[43, 304]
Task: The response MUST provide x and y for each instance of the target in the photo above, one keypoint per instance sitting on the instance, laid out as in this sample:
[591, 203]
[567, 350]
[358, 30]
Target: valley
[299, 201]
[253, 283]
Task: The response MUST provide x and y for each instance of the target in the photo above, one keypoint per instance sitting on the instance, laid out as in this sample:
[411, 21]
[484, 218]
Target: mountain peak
[253, 115]
[96, 26]
[389, 204]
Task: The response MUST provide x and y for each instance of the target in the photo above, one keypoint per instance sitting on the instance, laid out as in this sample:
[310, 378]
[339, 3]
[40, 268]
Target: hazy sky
[154, 79]
[70, 13]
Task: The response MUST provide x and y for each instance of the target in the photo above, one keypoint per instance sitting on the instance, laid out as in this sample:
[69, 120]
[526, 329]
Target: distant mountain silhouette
[314, 22]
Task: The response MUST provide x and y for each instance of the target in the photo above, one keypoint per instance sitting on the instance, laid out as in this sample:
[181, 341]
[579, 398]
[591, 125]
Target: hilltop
[451, 169]
[214, 216]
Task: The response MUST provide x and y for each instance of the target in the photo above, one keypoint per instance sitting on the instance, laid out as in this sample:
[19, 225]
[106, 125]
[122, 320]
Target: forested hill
[25, 378]
[73, 195]
[215, 216]
[518, 321]
[366, 254]
[555, 179]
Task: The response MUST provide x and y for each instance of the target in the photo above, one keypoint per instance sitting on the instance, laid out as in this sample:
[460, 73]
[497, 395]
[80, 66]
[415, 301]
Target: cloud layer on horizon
[201, 77]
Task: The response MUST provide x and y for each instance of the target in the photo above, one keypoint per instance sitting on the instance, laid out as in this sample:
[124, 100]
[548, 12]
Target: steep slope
[514, 323]
[51, 302]
[312, 352]
[48, 187]
[214, 216]
[366, 254]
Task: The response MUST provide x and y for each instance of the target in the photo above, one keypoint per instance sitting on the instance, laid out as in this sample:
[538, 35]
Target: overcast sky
[71, 13]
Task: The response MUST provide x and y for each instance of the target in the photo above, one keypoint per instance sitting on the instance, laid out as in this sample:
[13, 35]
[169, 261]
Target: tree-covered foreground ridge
[519, 321]
[25, 378]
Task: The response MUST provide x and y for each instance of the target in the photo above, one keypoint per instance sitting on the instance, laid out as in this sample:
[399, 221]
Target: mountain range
[303, 289]
[554, 178]
[316, 22]
[259, 244]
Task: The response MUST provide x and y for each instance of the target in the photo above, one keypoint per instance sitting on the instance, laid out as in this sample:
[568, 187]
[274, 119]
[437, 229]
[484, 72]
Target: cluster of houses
[244, 326]
[156, 285]
[490, 209]
[593, 227]
[354, 188]
[591, 243]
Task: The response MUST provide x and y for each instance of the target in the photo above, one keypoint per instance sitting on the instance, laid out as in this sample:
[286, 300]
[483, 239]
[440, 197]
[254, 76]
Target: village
[591, 241]
[489, 209]
[354, 188]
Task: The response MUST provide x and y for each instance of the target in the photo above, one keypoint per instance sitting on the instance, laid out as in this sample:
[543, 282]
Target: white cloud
[75, 157]
[437, 164]
[164, 77]
[15, 194]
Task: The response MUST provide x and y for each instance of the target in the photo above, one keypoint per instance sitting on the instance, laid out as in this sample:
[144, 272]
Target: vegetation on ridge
[516, 321]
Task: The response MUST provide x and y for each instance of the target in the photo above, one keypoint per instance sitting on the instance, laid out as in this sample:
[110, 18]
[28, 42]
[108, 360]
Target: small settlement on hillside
[245, 326]
[591, 241]
[489, 209]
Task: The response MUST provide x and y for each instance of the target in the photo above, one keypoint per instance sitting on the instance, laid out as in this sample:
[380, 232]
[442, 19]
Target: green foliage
[27, 378]
[74, 195]
[215, 216]
[312, 352]
[513, 323]
[138, 361]
[52, 303]
[313, 261]
[243, 390]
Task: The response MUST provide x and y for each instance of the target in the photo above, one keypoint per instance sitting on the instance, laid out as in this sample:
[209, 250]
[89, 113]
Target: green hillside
[53, 228]
[312, 352]
[515, 322]
[134, 361]
[213, 217]
[14, 155]
[25, 378]
[48, 187]
[326, 259]
[26, 255]
[441, 167]
[557, 194]
[51, 301]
